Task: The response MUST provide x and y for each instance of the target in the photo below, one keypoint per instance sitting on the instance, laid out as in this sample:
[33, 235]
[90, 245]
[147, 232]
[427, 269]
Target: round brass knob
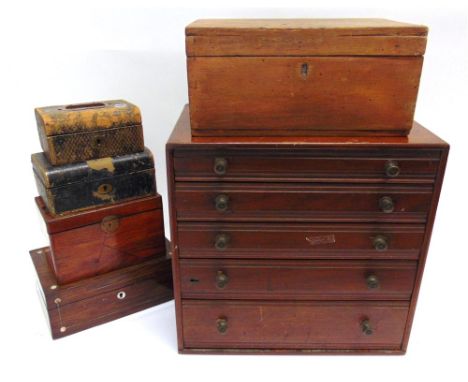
[220, 166]
[380, 243]
[392, 169]
[221, 279]
[386, 204]
[221, 241]
[366, 327]
[221, 203]
[222, 325]
[372, 282]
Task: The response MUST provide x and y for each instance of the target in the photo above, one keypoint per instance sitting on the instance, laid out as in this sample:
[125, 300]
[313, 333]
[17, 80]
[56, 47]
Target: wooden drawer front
[289, 202]
[306, 167]
[293, 325]
[297, 279]
[271, 240]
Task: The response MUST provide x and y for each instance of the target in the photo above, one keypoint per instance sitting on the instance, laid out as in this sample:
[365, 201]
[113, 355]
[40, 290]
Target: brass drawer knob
[392, 169]
[220, 166]
[222, 325]
[372, 281]
[222, 203]
[386, 204]
[221, 279]
[221, 241]
[380, 243]
[366, 328]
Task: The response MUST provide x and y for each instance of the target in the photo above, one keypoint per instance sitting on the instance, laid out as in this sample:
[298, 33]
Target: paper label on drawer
[322, 239]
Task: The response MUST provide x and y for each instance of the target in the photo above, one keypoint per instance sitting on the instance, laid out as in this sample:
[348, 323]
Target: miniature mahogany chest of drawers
[300, 245]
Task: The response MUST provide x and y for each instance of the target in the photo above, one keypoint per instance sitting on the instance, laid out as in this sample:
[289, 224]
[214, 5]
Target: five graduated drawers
[290, 244]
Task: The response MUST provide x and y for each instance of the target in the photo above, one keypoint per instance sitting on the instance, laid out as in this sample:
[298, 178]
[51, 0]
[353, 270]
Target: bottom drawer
[293, 325]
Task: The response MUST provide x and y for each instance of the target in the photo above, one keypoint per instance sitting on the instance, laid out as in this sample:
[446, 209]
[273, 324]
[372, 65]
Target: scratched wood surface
[96, 300]
[301, 96]
[96, 242]
[289, 37]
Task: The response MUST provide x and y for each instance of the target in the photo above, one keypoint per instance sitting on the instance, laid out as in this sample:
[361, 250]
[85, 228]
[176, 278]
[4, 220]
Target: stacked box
[98, 200]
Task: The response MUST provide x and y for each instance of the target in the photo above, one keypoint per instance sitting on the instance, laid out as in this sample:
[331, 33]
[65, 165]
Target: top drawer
[394, 166]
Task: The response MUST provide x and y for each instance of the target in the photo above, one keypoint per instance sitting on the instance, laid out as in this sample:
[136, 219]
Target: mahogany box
[75, 133]
[92, 242]
[94, 183]
[303, 77]
[93, 301]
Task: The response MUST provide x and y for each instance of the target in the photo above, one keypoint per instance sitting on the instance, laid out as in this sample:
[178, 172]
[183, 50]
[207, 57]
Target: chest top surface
[419, 137]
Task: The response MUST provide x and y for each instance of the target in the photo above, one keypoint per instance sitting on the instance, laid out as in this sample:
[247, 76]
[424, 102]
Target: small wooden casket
[75, 133]
[93, 183]
[96, 300]
[303, 77]
[97, 241]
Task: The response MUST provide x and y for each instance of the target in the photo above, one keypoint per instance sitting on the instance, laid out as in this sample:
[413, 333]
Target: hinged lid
[100, 215]
[65, 119]
[92, 170]
[304, 37]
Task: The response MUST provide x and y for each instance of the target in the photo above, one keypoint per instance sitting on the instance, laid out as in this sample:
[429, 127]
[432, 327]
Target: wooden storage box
[93, 183]
[97, 241]
[75, 133]
[93, 301]
[303, 77]
[300, 245]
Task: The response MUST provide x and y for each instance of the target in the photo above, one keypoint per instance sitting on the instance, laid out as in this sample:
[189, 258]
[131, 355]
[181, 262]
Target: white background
[52, 54]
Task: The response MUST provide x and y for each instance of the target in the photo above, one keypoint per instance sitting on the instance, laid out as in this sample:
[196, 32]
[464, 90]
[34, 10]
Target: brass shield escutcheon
[110, 224]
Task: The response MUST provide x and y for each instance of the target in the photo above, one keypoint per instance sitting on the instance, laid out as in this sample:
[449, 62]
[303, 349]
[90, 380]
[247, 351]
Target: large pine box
[303, 77]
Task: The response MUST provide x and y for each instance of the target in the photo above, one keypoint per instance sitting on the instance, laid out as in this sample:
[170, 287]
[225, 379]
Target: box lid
[92, 170]
[81, 117]
[60, 223]
[304, 37]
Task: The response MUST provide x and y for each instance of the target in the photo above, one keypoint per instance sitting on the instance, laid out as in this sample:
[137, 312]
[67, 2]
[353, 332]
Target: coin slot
[81, 106]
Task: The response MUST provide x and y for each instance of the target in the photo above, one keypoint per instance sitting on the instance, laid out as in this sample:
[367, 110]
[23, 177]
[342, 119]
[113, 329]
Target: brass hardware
[386, 204]
[222, 325]
[221, 241]
[221, 203]
[221, 279]
[57, 301]
[380, 243]
[372, 281]
[63, 329]
[121, 295]
[53, 287]
[104, 189]
[110, 224]
[392, 169]
[220, 166]
[366, 327]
